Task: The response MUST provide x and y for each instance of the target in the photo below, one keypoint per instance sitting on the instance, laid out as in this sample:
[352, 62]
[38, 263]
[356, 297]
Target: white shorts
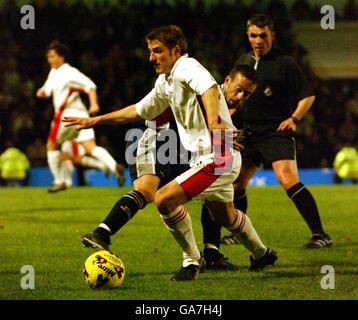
[146, 153]
[73, 149]
[146, 157]
[59, 133]
[209, 180]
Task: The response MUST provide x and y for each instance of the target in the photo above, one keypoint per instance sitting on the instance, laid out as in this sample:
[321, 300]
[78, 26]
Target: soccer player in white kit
[199, 109]
[72, 154]
[65, 83]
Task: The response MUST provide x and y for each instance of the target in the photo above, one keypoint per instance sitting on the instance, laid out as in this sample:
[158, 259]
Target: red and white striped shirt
[64, 84]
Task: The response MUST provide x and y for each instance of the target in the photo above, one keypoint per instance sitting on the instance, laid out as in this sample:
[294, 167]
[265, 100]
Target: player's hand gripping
[238, 138]
[81, 123]
[228, 137]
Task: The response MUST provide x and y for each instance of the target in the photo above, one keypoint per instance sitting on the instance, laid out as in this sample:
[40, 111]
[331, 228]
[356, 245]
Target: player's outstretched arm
[126, 115]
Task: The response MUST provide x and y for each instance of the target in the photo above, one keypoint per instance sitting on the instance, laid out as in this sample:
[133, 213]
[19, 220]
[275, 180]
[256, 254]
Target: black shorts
[165, 172]
[145, 159]
[269, 148]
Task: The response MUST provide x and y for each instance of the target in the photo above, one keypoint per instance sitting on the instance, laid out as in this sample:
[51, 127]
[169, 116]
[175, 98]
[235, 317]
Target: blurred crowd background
[107, 43]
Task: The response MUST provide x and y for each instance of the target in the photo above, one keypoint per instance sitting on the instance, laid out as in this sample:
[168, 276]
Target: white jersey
[182, 91]
[64, 84]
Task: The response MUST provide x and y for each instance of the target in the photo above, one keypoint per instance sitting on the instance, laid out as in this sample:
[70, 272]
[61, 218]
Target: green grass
[43, 230]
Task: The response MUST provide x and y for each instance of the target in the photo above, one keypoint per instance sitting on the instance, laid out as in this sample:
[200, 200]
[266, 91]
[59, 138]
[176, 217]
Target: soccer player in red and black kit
[270, 118]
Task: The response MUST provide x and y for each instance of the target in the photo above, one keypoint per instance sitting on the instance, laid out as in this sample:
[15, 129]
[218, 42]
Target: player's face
[237, 90]
[260, 39]
[162, 58]
[54, 59]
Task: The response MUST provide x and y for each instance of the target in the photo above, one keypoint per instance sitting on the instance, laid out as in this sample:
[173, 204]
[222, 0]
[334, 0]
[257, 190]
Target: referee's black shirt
[281, 85]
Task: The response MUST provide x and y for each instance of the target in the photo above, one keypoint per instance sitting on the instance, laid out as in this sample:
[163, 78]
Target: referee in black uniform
[270, 118]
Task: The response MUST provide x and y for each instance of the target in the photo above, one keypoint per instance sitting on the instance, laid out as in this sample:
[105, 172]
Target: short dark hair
[60, 48]
[248, 72]
[170, 35]
[261, 21]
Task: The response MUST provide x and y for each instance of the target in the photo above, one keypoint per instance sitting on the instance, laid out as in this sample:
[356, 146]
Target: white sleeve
[48, 85]
[79, 80]
[152, 105]
[197, 77]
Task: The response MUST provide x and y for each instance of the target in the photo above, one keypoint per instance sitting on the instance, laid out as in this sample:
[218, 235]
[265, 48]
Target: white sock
[67, 170]
[92, 163]
[54, 162]
[244, 231]
[103, 155]
[179, 224]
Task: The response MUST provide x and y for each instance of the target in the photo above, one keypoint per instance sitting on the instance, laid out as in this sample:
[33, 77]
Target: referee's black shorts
[269, 148]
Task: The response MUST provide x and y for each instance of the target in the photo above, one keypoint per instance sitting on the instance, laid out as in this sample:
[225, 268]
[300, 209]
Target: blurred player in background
[202, 116]
[74, 154]
[65, 83]
[270, 118]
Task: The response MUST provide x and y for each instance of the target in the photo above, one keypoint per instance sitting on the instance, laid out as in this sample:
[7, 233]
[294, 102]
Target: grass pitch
[43, 230]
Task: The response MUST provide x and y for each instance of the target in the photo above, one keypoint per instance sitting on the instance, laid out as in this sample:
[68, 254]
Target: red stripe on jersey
[164, 117]
[75, 149]
[57, 117]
